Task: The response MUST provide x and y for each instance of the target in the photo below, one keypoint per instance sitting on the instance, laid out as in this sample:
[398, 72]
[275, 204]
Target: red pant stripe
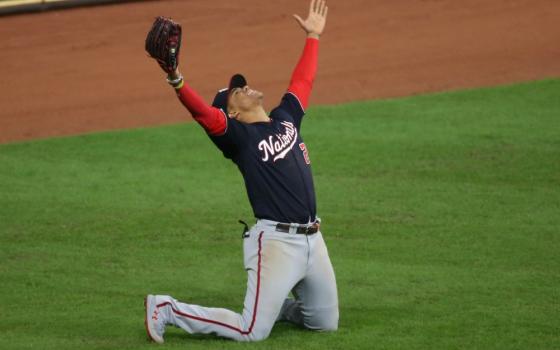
[254, 318]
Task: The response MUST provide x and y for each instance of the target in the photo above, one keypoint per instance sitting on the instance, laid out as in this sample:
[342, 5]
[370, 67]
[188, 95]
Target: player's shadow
[281, 330]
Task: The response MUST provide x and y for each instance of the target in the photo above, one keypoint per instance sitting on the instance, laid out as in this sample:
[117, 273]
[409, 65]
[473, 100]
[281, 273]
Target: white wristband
[175, 82]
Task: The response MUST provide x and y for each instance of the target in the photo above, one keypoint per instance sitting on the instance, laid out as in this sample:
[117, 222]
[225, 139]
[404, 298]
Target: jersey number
[305, 153]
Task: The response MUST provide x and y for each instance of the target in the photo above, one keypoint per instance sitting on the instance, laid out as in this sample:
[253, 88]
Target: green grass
[441, 213]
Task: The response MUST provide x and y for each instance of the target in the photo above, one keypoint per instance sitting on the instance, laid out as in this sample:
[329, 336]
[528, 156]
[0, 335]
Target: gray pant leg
[316, 299]
[274, 263]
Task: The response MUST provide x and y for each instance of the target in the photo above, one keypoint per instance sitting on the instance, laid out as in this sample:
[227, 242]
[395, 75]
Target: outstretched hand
[314, 24]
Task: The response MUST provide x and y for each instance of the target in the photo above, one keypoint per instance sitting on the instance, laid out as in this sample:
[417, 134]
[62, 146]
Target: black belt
[302, 230]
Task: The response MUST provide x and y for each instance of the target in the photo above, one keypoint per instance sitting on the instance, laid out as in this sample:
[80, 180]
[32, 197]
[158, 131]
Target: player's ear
[232, 110]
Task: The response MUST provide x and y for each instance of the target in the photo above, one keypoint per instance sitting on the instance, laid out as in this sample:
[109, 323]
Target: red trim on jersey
[304, 73]
[254, 318]
[212, 119]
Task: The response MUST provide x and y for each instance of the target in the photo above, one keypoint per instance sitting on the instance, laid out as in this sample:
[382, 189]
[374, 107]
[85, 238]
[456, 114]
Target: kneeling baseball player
[284, 251]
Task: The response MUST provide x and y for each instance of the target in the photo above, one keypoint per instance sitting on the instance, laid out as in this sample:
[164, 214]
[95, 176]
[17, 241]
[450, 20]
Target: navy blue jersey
[274, 163]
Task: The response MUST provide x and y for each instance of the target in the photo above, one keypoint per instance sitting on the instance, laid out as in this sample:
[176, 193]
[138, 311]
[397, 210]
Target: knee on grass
[325, 321]
[258, 334]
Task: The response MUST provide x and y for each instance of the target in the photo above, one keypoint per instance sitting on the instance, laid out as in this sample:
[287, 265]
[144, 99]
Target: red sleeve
[212, 119]
[304, 73]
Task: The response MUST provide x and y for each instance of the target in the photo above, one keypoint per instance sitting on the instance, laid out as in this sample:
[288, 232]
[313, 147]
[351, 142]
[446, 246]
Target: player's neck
[258, 114]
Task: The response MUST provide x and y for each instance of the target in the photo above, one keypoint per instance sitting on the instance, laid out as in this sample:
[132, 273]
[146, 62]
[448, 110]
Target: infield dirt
[81, 70]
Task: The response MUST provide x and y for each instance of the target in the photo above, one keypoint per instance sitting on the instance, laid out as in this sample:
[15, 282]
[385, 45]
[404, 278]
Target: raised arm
[304, 73]
[212, 119]
[306, 68]
[163, 43]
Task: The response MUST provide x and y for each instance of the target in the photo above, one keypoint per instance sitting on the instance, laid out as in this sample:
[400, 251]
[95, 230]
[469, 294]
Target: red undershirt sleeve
[212, 119]
[304, 73]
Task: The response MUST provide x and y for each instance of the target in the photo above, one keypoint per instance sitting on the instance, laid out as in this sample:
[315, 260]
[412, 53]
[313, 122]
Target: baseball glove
[164, 42]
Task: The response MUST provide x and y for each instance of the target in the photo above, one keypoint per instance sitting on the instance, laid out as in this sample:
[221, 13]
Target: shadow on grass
[281, 330]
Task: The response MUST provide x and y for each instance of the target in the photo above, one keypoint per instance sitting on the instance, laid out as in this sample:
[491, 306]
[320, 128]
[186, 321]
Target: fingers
[321, 7]
[325, 10]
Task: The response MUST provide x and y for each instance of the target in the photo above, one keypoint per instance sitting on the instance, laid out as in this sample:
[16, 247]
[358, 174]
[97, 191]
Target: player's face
[243, 100]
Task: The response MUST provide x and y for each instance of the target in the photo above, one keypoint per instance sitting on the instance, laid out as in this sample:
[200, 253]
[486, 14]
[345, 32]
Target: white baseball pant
[276, 263]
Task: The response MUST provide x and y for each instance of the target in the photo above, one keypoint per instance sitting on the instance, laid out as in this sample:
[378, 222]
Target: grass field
[441, 213]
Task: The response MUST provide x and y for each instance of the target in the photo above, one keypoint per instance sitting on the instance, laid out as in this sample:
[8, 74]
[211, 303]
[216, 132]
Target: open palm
[315, 21]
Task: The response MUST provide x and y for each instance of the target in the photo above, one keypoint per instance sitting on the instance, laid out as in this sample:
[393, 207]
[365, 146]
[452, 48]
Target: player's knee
[326, 321]
[259, 332]
[254, 337]
[328, 325]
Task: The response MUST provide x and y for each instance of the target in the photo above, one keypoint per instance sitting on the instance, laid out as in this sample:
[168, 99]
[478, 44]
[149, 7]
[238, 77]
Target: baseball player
[284, 251]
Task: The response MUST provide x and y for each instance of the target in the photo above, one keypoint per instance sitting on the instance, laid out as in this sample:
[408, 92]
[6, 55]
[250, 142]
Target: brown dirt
[80, 70]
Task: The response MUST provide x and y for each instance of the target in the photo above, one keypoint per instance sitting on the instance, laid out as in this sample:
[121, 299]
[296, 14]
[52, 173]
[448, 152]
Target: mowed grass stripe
[441, 213]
